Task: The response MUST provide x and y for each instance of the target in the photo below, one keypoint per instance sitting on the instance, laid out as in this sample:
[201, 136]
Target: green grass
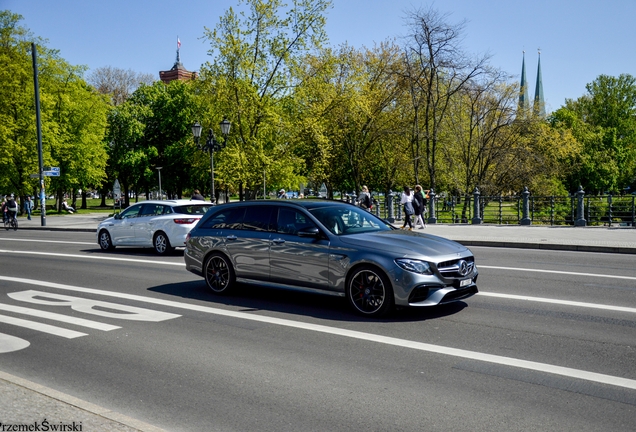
[93, 205]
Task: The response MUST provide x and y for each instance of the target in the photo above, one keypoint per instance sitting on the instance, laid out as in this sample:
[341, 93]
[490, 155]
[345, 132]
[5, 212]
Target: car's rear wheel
[369, 292]
[105, 241]
[219, 274]
[162, 244]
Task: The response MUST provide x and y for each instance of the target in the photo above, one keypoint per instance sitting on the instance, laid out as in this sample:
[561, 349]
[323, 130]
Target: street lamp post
[159, 171]
[211, 145]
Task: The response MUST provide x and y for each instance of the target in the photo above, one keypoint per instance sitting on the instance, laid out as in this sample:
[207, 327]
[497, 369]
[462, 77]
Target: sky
[578, 39]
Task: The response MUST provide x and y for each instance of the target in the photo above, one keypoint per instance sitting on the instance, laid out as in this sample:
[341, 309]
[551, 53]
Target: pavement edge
[80, 404]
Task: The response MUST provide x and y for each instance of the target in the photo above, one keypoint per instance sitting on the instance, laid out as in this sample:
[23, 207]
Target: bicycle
[11, 222]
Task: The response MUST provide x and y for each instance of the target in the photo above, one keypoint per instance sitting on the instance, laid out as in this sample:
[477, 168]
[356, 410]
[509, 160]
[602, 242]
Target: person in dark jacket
[196, 196]
[364, 199]
[420, 209]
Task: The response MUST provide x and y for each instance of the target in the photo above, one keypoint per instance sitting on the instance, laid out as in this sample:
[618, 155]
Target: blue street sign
[51, 173]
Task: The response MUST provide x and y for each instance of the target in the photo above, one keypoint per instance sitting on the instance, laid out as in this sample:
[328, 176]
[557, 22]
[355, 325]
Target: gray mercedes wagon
[329, 247]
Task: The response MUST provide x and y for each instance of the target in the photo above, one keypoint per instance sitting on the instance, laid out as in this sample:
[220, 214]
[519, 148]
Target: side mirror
[117, 216]
[309, 232]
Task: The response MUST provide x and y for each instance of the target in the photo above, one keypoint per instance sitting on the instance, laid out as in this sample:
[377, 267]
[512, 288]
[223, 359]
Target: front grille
[450, 269]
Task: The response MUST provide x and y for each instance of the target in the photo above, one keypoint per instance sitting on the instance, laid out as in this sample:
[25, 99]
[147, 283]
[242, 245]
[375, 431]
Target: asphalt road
[548, 344]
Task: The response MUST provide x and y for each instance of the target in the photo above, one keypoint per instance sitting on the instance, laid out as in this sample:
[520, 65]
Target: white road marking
[58, 317]
[46, 241]
[436, 349]
[45, 328]
[561, 302]
[98, 257]
[10, 343]
[95, 307]
[606, 276]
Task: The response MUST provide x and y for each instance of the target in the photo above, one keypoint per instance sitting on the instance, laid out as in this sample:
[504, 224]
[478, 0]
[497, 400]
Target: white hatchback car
[162, 225]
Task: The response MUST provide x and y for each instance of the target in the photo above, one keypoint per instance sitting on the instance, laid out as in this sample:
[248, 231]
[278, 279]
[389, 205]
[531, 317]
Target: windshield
[348, 220]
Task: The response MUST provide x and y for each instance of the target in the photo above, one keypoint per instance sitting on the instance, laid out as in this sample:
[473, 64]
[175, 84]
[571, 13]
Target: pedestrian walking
[420, 209]
[407, 202]
[28, 207]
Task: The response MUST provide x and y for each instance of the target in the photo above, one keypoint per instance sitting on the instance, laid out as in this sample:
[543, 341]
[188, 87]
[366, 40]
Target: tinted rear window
[194, 209]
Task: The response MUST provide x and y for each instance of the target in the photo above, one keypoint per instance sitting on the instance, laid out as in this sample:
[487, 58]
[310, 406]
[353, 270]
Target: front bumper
[416, 290]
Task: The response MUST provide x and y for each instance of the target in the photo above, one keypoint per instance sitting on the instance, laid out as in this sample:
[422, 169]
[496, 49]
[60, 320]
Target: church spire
[524, 100]
[539, 103]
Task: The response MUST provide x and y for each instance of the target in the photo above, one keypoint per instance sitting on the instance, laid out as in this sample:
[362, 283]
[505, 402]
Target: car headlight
[415, 266]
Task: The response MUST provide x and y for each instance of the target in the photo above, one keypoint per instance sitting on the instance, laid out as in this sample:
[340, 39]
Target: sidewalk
[26, 405]
[585, 239]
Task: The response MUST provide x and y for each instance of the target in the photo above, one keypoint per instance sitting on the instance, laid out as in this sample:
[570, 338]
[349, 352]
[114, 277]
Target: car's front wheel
[105, 241]
[162, 244]
[369, 292]
[219, 274]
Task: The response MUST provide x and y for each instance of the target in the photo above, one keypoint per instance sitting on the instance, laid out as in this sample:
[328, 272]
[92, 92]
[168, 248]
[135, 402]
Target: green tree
[350, 106]
[167, 129]
[72, 116]
[437, 70]
[152, 128]
[604, 122]
[129, 156]
[249, 81]
[18, 142]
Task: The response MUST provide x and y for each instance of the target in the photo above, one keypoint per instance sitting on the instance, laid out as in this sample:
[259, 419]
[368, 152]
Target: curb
[46, 228]
[562, 247]
[76, 403]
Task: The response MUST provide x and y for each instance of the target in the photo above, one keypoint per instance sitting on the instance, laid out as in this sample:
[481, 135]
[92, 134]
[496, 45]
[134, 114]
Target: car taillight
[185, 221]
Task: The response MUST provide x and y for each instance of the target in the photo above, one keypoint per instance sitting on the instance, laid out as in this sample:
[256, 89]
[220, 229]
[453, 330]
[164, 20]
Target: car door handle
[278, 241]
[231, 237]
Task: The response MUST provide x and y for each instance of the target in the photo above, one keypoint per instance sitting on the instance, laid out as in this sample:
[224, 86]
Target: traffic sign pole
[34, 54]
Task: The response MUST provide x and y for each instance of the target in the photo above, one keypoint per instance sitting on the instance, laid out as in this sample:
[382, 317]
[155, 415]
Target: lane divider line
[560, 302]
[557, 272]
[98, 257]
[45, 241]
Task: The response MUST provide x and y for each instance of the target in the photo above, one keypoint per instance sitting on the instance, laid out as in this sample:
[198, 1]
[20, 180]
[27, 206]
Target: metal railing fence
[576, 209]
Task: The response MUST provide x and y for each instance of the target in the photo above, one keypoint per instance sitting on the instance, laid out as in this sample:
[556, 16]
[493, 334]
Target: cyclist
[11, 208]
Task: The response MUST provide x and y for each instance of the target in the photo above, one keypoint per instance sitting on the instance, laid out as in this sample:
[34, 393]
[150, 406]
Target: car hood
[107, 220]
[406, 243]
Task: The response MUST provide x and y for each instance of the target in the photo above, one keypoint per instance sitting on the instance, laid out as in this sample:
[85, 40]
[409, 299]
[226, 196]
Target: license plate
[465, 282]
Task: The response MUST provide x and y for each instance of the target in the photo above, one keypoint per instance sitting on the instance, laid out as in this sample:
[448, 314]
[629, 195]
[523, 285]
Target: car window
[152, 210]
[131, 212]
[193, 209]
[258, 218]
[348, 220]
[290, 221]
[229, 218]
